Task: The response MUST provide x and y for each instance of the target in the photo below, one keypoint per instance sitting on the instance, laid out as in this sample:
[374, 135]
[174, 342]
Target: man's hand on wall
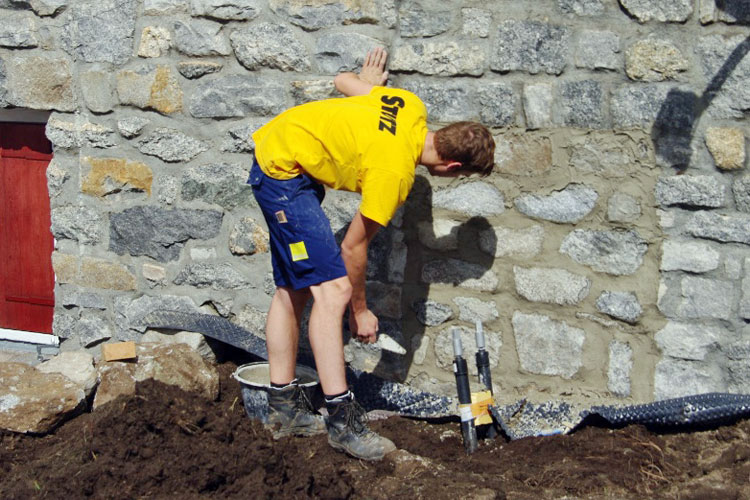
[373, 69]
[364, 326]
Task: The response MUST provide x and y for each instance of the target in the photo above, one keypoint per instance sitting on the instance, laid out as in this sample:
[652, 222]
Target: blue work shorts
[303, 249]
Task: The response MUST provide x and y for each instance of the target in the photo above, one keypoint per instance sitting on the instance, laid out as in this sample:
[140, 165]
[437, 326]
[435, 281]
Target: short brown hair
[469, 143]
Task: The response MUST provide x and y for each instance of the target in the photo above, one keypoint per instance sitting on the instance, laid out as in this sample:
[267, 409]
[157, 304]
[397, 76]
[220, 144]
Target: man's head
[468, 143]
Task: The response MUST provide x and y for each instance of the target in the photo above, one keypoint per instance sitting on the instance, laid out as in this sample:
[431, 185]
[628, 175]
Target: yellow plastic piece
[480, 402]
[299, 252]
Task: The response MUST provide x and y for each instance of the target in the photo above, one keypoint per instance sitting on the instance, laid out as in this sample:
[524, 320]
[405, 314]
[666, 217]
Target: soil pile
[164, 442]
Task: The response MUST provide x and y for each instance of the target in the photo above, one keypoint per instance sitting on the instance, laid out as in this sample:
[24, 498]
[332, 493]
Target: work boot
[291, 413]
[348, 431]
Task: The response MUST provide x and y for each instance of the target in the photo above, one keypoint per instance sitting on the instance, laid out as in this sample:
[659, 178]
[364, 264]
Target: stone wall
[606, 255]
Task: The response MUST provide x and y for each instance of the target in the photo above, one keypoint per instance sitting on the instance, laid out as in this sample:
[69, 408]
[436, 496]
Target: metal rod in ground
[483, 370]
[461, 370]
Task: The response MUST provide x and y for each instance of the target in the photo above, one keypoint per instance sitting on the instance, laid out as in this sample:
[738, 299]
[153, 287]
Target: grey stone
[92, 330]
[313, 90]
[675, 378]
[312, 15]
[471, 309]
[581, 104]
[223, 184]
[688, 341]
[431, 313]
[622, 207]
[744, 308]
[77, 366]
[171, 145]
[384, 300]
[654, 60]
[537, 105]
[18, 30]
[523, 154]
[530, 46]
[620, 305]
[150, 87]
[158, 233]
[337, 52]
[131, 126]
[441, 58]
[40, 82]
[619, 369]
[705, 298]
[690, 190]
[159, 7]
[57, 174]
[196, 69]
[4, 103]
[733, 228]
[440, 234]
[267, 45]
[504, 242]
[611, 157]
[97, 90]
[131, 314]
[612, 252]
[195, 340]
[444, 346]
[227, 10]
[660, 10]
[732, 267]
[64, 325]
[460, 273]
[727, 11]
[637, 106]
[252, 319]
[598, 50]
[155, 42]
[546, 346]
[100, 30]
[76, 223]
[200, 38]
[236, 96]
[215, 276]
[570, 205]
[69, 135]
[690, 256]
[552, 286]
[446, 102]
[582, 7]
[732, 97]
[79, 298]
[417, 21]
[473, 199]
[238, 139]
[248, 238]
[497, 104]
[43, 7]
[476, 22]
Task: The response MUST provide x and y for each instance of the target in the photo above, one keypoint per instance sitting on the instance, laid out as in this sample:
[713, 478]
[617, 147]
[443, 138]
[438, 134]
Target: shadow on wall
[676, 121]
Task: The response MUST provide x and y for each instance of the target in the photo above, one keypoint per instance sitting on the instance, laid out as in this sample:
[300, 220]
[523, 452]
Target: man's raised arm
[373, 73]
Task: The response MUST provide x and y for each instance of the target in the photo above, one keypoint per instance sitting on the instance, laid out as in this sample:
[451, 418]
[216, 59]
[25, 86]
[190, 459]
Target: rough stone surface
[70, 135]
[552, 286]
[733, 228]
[587, 8]
[654, 60]
[227, 10]
[91, 272]
[530, 46]
[460, 273]
[100, 30]
[248, 238]
[445, 102]
[733, 96]
[505, 242]
[569, 205]
[691, 190]
[236, 96]
[744, 308]
[690, 256]
[92, 330]
[195, 340]
[40, 82]
[581, 104]
[612, 252]
[131, 126]
[337, 52]
[149, 87]
[158, 233]
[171, 145]
[620, 305]
[313, 90]
[473, 199]
[315, 14]
[109, 176]
[221, 276]
[622, 207]
[417, 21]
[268, 45]
[471, 309]
[498, 104]
[619, 369]
[440, 234]
[705, 298]
[449, 58]
[660, 10]
[78, 366]
[444, 346]
[546, 346]
[537, 105]
[200, 38]
[598, 50]
[611, 157]
[727, 146]
[476, 22]
[676, 378]
[223, 184]
[35, 402]
[80, 223]
[688, 341]
[523, 155]
[155, 42]
[130, 313]
[98, 91]
[197, 69]
[431, 313]
[18, 30]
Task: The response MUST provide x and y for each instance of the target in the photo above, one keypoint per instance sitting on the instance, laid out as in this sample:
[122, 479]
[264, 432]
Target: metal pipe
[483, 359]
[461, 370]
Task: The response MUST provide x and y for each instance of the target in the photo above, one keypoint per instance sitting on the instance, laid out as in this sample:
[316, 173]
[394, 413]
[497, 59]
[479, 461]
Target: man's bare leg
[282, 332]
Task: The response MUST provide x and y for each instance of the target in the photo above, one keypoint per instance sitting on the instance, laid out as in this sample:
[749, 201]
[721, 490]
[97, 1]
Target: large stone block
[92, 273]
[78, 223]
[150, 87]
[733, 95]
[726, 11]
[107, 176]
[313, 90]
[223, 184]
[620, 368]
[315, 14]
[100, 30]
[78, 366]
[612, 252]
[431, 313]
[196, 69]
[66, 134]
[248, 238]
[537, 105]
[552, 286]
[97, 90]
[506, 242]
[546, 346]
[171, 145]
[472, 199]
[446, 102]
[40, 82]
[524, 155]
[598, 50]
[336, 52]
[441, 58]
[200, 38]
[227, 10]
[654, 60]
[689, 341]
[384, 300]
[475, 22]
[690, 256]
[727, 146]
[444, 347]
[733, 228]
[222, 276]
[691, 190]
[267, 45]
[659, 10]
[587, 8]
[158, 233]
[705, 298]
[620, 305]
[460, 273]
[499, 103]
[530, 46]
[611, 156]
[417, 21]
[18, 30]
[155, 42]
[236, 96]
[471, 310]
[439, 234]
[675, 378]
[131, 314]
[570, 205]
[581, 104]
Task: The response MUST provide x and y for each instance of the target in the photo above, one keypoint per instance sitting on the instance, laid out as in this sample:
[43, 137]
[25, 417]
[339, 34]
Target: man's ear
[453, 165]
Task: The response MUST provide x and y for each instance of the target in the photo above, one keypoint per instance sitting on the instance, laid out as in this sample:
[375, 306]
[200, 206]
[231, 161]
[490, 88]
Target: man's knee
[335, 293]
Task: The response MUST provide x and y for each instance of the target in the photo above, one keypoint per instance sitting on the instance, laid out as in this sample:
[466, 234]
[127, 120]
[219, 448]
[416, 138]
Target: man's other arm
[372, 73]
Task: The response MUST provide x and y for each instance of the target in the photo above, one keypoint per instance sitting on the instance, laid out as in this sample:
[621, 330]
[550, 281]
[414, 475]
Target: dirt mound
[164, 442]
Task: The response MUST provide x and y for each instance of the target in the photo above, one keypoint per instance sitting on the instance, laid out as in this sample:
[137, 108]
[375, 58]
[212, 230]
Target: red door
[27, 296]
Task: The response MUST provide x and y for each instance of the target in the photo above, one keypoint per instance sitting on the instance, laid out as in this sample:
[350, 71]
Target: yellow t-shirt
[366, 144]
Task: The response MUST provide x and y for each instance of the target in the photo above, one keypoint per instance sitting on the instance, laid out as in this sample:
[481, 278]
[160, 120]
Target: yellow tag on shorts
[299, 252]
